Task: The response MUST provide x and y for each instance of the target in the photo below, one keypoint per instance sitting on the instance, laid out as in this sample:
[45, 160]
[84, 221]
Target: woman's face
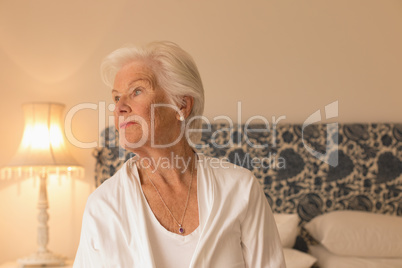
[135, 92]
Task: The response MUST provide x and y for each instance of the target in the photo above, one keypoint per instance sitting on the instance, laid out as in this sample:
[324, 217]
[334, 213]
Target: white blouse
[169, 249]
[237, 228]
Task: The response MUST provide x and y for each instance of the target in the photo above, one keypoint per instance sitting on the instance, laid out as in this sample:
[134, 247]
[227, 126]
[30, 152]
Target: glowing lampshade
[44, 144]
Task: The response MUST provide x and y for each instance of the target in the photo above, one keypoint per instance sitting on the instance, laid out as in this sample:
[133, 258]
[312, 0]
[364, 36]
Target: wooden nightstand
[69, 264]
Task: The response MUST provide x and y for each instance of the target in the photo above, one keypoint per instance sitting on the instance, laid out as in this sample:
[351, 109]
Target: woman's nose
[122, 107]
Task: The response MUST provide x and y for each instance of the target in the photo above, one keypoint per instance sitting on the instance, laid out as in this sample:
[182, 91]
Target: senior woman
[168, 206]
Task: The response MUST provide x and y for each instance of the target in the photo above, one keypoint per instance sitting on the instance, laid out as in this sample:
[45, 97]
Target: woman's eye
[137, 92]
[116, 99]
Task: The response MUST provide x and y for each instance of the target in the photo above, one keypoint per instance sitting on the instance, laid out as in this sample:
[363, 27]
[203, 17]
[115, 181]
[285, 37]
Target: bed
[308, 175]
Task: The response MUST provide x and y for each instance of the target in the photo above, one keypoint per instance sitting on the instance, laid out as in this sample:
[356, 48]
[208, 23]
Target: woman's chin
[130, 143]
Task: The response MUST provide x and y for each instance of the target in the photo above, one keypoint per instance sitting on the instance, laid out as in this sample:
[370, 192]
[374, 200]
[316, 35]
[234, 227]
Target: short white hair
[174, 69]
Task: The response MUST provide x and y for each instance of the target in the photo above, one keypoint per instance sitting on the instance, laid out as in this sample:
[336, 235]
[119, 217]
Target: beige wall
[277, 57]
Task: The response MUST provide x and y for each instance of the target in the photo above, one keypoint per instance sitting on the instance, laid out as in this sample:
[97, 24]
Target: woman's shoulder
[225, 173]
[110, 188]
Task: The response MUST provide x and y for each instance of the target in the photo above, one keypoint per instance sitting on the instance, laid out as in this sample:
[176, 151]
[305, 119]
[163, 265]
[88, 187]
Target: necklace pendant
[181, 230]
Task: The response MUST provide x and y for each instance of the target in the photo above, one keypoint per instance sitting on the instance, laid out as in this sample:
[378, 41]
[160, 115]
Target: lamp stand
[43, 256]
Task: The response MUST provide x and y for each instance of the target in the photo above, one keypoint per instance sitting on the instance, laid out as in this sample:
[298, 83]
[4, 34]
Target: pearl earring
[181, 118]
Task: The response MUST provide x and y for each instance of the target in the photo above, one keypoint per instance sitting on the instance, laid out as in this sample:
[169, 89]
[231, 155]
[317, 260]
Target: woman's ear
[185, 108]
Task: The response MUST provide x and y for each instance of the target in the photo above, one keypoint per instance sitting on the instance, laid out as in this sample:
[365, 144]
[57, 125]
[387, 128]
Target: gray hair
[175, 71]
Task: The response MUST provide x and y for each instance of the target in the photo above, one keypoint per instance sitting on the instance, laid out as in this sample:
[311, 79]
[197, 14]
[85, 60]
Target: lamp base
[46, 258]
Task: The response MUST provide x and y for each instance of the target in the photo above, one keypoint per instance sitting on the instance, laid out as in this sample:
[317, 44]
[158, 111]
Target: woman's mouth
[126, 124]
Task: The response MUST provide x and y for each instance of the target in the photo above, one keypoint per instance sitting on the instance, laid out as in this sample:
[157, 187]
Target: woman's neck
[172, 164]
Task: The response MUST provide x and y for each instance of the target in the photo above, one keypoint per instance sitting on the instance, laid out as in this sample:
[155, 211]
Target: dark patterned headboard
[368, 175]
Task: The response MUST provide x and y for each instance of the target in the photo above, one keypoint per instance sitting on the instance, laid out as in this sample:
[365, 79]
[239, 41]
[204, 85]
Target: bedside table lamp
[43, 151]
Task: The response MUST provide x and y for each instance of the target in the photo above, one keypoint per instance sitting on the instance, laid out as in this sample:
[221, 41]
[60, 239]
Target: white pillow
[297, 259]
[358, 234]
[329, 260]
[288, 229]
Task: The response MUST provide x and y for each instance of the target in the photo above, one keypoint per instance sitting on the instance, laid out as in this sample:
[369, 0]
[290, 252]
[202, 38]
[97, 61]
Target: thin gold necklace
[181, 229]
